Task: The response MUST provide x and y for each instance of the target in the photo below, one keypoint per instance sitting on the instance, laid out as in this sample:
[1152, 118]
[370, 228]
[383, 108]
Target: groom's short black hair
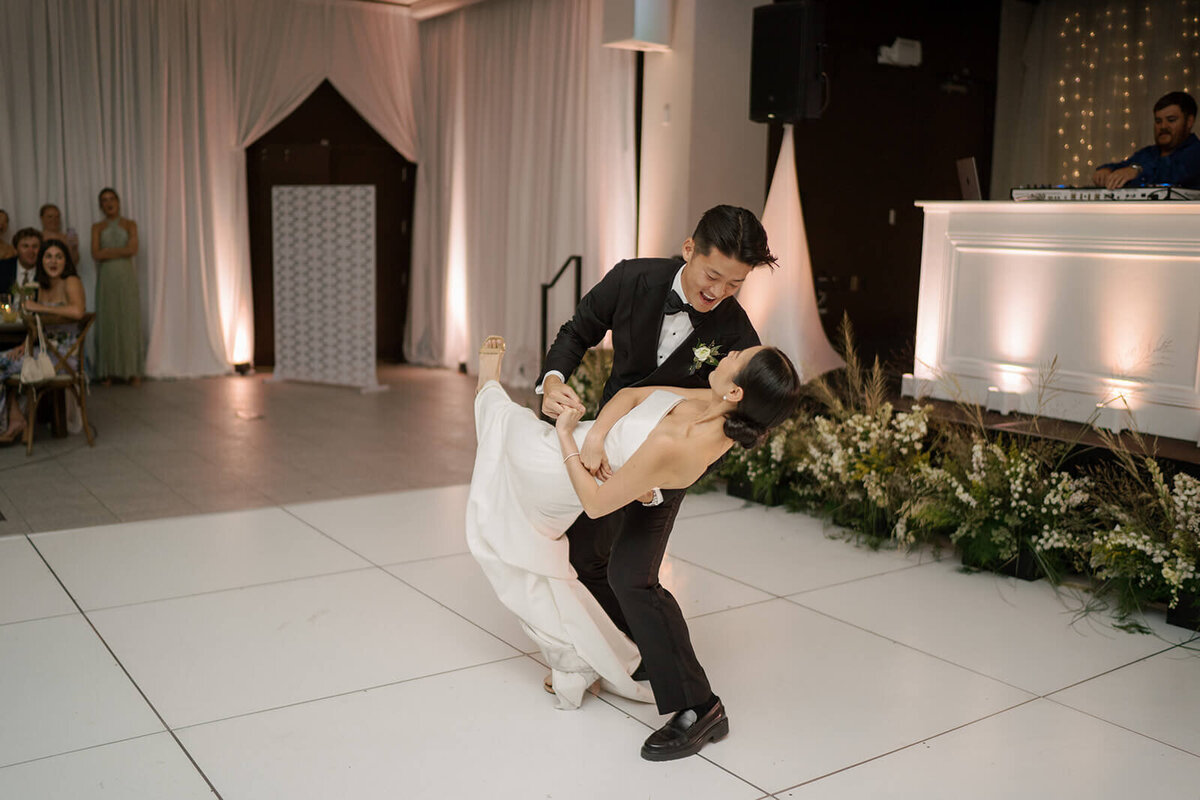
[736, 233]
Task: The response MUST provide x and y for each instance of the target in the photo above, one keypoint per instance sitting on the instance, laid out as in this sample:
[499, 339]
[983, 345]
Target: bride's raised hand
[568, 418]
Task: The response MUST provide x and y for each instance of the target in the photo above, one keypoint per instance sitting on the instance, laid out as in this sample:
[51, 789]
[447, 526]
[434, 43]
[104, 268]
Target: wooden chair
[65, 377]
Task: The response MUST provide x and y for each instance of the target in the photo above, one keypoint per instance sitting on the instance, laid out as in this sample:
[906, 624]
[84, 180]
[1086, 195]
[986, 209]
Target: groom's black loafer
[684, 734]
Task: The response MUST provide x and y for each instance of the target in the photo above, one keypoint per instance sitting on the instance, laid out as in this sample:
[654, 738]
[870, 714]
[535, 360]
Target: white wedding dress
[521, 501]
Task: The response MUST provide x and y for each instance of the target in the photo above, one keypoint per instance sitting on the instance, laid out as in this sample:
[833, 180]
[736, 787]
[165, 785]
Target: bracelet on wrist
[569, 457]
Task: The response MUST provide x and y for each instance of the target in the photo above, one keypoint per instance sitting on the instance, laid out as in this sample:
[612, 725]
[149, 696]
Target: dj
[1175, 159]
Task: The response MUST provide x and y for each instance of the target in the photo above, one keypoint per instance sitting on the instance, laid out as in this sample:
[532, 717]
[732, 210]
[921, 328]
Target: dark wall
[325, 141]
[890, 136]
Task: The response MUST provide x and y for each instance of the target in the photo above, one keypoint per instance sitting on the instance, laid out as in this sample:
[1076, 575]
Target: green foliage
[895, 474]
[589, 378]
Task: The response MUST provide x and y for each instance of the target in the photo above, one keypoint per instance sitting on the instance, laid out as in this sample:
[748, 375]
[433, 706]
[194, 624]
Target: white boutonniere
[704, 354]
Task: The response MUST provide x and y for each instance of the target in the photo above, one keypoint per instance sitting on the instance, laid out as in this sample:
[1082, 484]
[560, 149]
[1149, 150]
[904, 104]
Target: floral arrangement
[861, 469]
[1149, 546]
[899, 475]
[1013, 509]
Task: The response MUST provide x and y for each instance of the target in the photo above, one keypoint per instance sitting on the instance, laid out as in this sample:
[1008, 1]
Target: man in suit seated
[28, 242]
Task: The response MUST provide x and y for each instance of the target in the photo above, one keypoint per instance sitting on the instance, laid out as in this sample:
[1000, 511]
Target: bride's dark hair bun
[770, 393]
[744, 430]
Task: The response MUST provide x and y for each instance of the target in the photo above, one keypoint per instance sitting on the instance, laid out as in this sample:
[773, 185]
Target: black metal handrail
[546, 287]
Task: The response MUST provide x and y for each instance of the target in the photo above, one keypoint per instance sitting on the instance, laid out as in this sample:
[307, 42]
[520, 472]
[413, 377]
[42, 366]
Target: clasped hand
[558, 396]
[592, 454]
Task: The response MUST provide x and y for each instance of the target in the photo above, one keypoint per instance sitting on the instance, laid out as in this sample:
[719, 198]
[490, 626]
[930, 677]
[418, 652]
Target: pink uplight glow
[243, 342]
[1019, 312]
[456, 257]
[1012, 378]
[1133, 318]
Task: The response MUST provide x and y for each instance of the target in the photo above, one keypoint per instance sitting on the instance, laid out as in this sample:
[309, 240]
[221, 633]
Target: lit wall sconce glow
[1012, 378]
[243, 341]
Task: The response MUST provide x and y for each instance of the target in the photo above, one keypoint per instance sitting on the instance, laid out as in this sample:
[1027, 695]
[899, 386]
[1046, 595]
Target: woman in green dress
[118, 310]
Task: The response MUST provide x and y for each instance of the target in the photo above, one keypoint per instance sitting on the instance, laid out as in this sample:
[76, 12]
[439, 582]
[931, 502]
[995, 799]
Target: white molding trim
[1107, 290]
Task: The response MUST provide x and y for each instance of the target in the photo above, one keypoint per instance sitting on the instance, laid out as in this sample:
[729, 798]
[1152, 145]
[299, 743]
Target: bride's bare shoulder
[682, 454]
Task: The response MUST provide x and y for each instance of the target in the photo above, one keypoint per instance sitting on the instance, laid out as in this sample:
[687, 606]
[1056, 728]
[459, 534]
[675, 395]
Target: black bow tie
[675, 304]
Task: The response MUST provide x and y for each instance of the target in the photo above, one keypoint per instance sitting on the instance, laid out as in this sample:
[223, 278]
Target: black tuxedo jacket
[8, 273]
[629, 301]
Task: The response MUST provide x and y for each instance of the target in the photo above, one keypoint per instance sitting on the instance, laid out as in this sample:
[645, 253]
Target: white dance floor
[352, 649]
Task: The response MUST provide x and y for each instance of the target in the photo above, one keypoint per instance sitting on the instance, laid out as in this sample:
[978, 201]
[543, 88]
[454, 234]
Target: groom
[664, 315]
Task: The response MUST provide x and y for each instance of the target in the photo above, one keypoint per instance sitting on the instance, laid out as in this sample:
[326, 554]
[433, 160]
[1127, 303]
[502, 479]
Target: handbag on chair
[35, 369]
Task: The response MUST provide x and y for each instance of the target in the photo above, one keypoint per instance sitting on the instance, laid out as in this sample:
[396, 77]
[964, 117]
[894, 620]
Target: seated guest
[28, 243]
[61, 294]
[52, 229]
[1175, 159]
[8, 255]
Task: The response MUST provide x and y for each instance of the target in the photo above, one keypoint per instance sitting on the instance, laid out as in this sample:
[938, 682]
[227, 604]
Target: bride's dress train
[520, 503]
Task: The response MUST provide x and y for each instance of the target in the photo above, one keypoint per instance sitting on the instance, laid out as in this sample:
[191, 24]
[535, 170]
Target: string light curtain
[1090, 73]
[1117, 60]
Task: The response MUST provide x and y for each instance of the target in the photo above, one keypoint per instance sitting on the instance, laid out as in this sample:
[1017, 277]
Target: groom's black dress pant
[617, 558]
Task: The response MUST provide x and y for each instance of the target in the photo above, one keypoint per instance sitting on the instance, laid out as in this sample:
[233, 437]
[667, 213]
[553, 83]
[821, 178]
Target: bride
[531, 481]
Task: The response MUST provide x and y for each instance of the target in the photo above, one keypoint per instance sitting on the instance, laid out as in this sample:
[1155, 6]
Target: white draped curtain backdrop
[1087, 75]
[158, 98]
[527, 135]
[522, 126]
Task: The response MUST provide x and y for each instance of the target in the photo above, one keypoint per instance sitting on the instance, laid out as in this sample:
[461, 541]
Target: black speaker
[786, 82]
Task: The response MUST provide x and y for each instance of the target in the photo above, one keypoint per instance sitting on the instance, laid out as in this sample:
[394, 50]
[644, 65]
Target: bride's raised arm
[592, 452]
[659, 462]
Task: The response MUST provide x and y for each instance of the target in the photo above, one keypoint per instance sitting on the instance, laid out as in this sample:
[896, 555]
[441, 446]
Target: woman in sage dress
[118, 310]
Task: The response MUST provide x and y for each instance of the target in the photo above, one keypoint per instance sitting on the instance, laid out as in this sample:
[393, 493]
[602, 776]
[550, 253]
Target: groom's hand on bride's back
[557, 397]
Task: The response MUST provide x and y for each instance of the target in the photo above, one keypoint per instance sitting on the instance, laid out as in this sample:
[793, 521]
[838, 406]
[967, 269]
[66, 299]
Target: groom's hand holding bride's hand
[557, 396]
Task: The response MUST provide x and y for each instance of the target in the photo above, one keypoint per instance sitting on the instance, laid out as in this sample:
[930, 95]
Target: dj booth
[1082, 311]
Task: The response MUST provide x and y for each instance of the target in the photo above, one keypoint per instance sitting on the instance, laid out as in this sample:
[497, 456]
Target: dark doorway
[325, 141]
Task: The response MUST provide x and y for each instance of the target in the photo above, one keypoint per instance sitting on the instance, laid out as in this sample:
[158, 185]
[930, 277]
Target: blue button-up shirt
[1180, 168]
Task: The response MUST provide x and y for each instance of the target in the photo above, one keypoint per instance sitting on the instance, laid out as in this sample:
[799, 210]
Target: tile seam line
[38, 619]
[1042, 695]
[914, 649]
[1119, 726]
[908, 746]
[254, 585]
[129, 677]
[346, 693]
[83, 749]
[847, 582]
[765, 794]
[396, 577]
